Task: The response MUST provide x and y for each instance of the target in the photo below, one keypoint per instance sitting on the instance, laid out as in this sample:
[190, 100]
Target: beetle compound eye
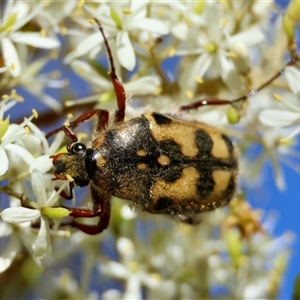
[78, 149]
[59, 167]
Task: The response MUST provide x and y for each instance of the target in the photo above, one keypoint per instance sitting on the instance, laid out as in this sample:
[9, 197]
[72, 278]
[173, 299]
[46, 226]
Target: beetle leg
[217, 101]
[101, 209]
[118, 86]
[102, 116]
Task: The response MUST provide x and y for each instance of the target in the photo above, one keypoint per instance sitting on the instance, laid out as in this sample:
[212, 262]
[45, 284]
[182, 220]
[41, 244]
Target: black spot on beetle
[230, 188]
[163, 203]
[205, 183]
[203, 141]
[228, 143]
[161, 119]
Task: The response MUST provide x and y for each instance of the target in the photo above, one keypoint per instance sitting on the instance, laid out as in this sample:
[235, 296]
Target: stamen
[70, 178]
[27, 130]
[189, 94]
[277, 97]
[35, 113]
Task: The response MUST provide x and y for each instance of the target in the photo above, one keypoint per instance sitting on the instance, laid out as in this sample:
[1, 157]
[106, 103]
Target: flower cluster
[167, 55]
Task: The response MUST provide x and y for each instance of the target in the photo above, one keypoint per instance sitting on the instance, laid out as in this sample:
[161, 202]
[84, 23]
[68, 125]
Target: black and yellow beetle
[163, 164]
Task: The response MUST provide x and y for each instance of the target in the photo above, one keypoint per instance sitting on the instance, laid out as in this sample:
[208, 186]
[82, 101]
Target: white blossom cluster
[167, 54]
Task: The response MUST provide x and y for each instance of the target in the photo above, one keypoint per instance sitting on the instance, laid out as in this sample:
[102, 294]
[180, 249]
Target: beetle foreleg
[101, 209]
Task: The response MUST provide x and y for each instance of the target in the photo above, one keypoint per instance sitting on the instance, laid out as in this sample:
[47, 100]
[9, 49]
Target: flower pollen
[189, 94]
[43, 32]
[277, 97]
[171, 52]
[126, 11]
[211, 48]
[27, 130]
[198, 79]
[35, 113]
[70, 178]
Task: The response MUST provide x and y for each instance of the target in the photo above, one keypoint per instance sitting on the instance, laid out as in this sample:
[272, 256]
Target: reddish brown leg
[118, 86]
[102, 123]
[101, 209]
[216, 101]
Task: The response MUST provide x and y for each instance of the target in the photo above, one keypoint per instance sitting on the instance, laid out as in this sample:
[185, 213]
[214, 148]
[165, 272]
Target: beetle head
[73, 164]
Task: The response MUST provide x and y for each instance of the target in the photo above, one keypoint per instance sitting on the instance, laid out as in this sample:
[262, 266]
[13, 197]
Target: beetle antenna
[118, 86]
[111, 61]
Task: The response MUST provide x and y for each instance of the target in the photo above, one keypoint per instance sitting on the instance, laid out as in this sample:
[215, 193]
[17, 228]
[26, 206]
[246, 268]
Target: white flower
[142, 86]
[289, 112]
[130, 269]
[17, 238]
[42, 245]
[9, 134]
[211, 47]
[119, 25]
[36, 82]
[15, 15]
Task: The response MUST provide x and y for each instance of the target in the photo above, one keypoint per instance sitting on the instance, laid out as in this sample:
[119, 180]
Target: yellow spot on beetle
[222, 179]
[164, 160]
[142, 166]
[101, 161]
[181, 190]
[141, 152]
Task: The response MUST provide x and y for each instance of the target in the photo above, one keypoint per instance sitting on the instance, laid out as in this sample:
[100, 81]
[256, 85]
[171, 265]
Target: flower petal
[4, 161]
[249, 37]
[19, 214]
[199, 67]
[35, 39]
[20, 151]
[8, 255]
[229, 74]
[292, 75]
[278, 118]
[149, 25]
[87, 72]
[142, 86]
[38, 187]
[11, 56]
[125, 51]
[43, 163]
[43, 243]
[84, 47]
